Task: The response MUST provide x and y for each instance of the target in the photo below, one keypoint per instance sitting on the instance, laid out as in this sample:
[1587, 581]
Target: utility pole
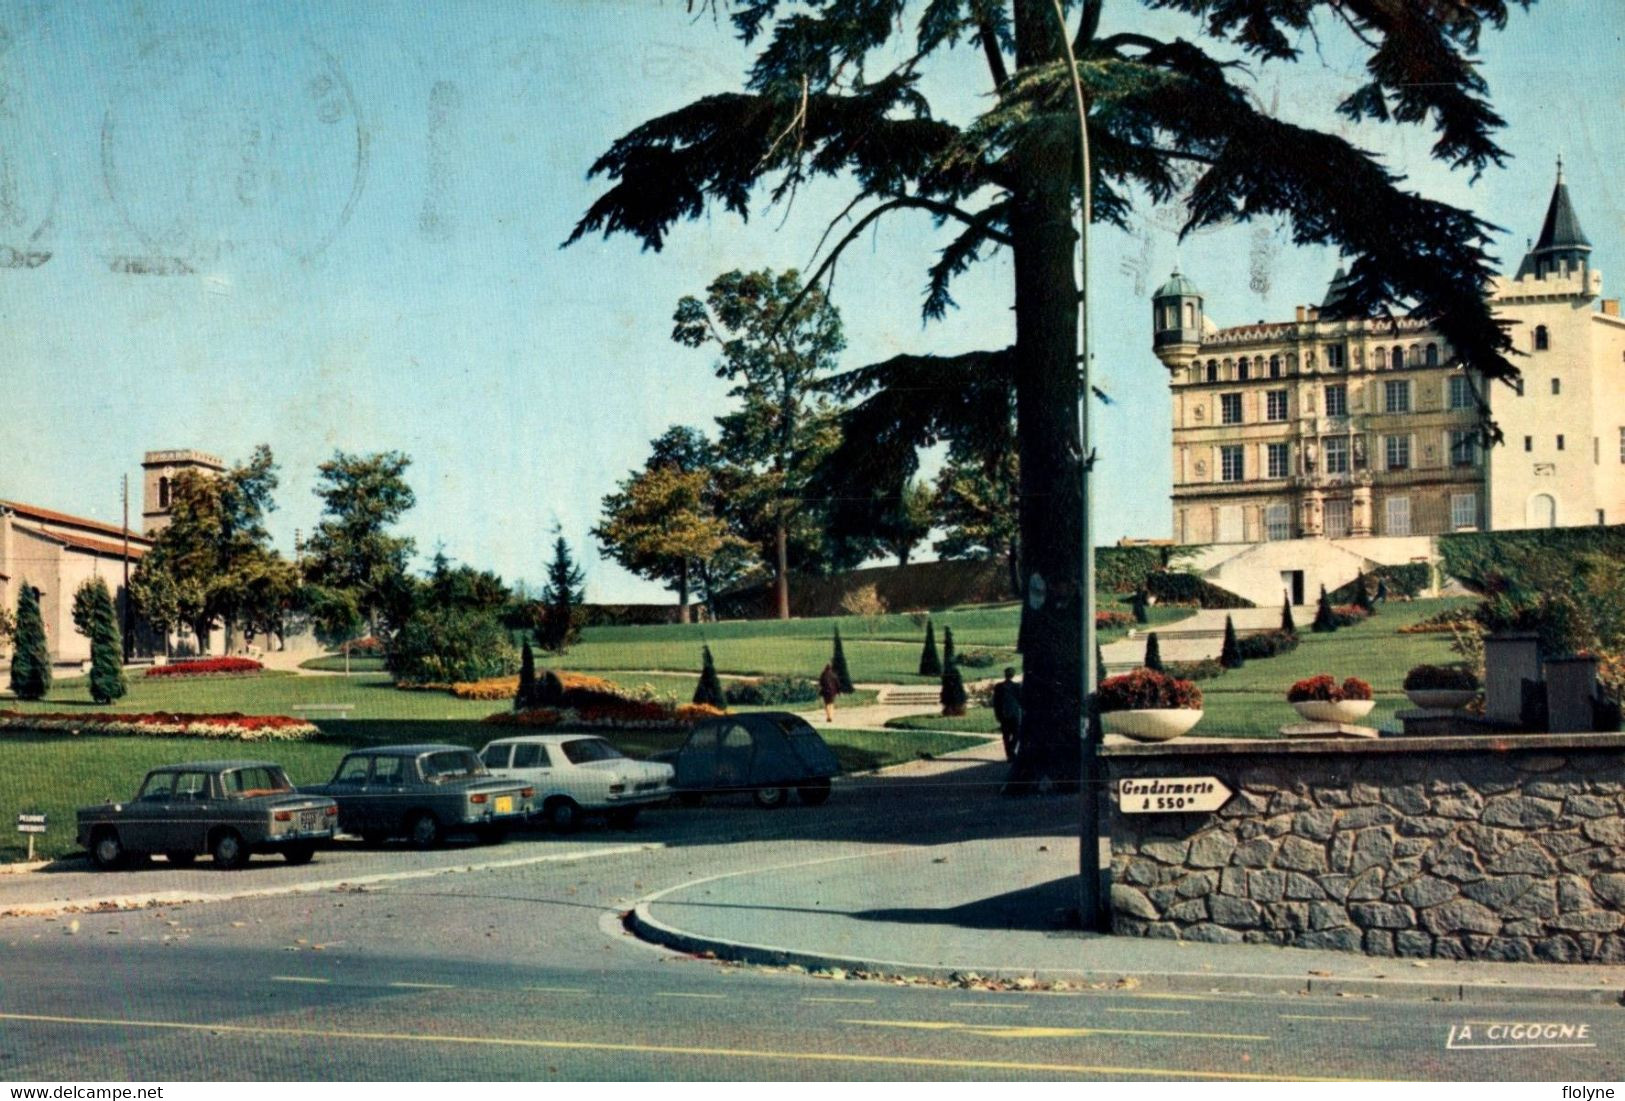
[128, 641]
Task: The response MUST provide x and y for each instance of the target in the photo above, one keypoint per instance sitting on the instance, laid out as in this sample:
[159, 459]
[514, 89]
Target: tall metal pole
[1092, 910]
[127, 639]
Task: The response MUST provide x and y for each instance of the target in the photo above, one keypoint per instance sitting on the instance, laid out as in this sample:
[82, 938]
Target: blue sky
[336, 225]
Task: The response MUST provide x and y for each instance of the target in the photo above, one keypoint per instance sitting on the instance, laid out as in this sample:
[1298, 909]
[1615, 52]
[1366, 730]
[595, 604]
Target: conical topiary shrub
[31, 657]
[1324, 622]
[550, 693]
[1153, 653]
[1362, 596]
[709, 690]
[106, 649]
[947, 647]
[527, 678]
[930, 663]
[1230, 655]
[838, 662]
[953, 695]
[1288, 626]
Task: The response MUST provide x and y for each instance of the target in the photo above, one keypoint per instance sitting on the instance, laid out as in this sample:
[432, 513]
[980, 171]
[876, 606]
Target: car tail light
[527, 793]
[478, 797]
[283, 816]
[332, 810]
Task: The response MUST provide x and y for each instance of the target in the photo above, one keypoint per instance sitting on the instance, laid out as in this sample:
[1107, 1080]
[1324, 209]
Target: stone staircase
[913, 695]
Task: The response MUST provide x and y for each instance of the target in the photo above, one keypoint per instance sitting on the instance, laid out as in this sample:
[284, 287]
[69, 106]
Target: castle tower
[1176, 321]
[1562, 246]
[158, 471]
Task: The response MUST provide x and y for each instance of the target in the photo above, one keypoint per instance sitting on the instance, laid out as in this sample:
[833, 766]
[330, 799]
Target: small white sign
[31, 823]
[1172, 795]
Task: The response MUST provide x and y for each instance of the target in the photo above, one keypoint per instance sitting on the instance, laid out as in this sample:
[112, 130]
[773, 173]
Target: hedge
[1266, 645]
[1187, 588]
[1409, 579]
[1482, 559]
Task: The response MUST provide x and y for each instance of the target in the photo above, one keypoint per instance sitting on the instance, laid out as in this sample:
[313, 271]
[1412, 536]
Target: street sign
[31, 823]
[1172, 795]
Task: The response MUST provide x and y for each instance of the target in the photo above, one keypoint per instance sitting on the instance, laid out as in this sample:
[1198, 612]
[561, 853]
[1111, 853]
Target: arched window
[1543, 339]
[1292, 363]
[1399, 357]
[163, 492]
[1242, 369]
[1213, 370]
[1190, 315]
[1541, 511]
[1379, 358]
[1275, 366]
[1433, 355]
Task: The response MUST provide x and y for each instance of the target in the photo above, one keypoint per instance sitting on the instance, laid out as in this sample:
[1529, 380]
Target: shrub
[205, 667]
[953, 691]
[1324, 687]
[1347, 615]
[930, 663]
[1113, 621]
[1444, 622]
[31, 655]
[947, 647]
[709, 690]
[366, 647]
[492, 688]
[1451, 678]
[863, 601]
[837, 661]
[1153, 654]
[1288, 625]
[1206, 669]
[1230, 653]
[1145, 689]
[978, 658]
[1188, 588]
[1325, 622]
[770, 691]
[446, 645]
[1267, 645]
[1407, 580]
[106, 648]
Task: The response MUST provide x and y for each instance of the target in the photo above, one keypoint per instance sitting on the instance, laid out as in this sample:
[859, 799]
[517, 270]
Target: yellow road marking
[844, 1001]
[1318, 1017]
[682, 994]
[298, 978]
[654, 1049]
[1031, 1032]
[423, 985]
[1166, 1012]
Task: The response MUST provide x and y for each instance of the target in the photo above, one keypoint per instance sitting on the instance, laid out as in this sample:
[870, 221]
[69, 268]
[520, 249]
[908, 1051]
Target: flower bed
[227, 726]
[1109, 621]
[206, 667]
[1449, 678]
[1146, 689]
[620, 715]
[1325, 689]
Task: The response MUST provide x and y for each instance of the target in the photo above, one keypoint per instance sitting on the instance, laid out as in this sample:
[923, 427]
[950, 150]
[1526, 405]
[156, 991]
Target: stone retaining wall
[1483, 848]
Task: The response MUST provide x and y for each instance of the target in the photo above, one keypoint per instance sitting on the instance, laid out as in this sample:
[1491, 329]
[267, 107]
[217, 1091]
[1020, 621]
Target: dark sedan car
[229, 809]
[765, 753]
[422, 793]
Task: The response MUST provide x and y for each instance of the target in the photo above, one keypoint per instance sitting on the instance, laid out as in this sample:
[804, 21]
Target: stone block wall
[1460, 848]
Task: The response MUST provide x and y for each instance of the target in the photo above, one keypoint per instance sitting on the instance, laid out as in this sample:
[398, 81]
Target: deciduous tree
[351, 550]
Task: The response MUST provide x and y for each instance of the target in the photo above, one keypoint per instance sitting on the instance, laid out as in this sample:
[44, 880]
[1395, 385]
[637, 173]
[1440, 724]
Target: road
[523, 972]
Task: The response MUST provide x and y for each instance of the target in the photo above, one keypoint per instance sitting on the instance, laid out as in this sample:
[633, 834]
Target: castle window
[1380, 358]
[1275, 405]
[1229, 408]
[163, 492]
[1334, 356]
[1461, 392]
[1463, 448]
[1337, 401]
[1433, 355]
[1557, 386]
[1231, 468]
[1337, 454]
[1277, 522]
[1463, 511]
[1292, 363]
[1529, 443]
[1399, 357]
[1396, 396]
[1213, 370]
[1560, 441]
[1275, 366]
[1190, 315]
[1399, 516]
[1276, 458]
[1543, 340]
[1241, 369]
[1398, 452]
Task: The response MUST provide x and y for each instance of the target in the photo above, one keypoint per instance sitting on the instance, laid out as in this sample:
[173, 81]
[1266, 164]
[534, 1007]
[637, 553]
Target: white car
[577, 774]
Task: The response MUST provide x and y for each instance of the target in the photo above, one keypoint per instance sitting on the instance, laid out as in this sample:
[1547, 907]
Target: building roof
[86, 543]
[47, 516]
[1561, 229]
[1177, 285]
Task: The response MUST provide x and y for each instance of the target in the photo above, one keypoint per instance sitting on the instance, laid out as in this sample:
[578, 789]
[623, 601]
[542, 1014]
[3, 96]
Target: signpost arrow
[1172, 795]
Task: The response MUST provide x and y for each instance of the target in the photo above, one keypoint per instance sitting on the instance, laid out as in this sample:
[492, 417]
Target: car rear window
[245, 783]
[583, 750]
[451, 765]
[496, 756]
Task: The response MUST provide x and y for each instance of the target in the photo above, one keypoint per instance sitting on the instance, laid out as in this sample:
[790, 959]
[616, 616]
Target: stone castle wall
[1461, 848]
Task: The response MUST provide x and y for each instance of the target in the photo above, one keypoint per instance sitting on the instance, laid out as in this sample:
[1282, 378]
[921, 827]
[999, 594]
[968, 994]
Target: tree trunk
[781, 578]
[682, 592]
[1046, 368]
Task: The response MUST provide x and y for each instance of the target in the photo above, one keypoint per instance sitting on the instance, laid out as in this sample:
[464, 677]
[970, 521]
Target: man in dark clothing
[829, 686]
[1007, 709]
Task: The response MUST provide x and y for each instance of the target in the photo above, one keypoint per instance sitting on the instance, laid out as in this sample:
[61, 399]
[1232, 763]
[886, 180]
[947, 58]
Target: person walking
[1007, 709]
[829, 686]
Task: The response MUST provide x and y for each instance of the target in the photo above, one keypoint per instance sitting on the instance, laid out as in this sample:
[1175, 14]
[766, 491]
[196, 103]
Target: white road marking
[300, 978]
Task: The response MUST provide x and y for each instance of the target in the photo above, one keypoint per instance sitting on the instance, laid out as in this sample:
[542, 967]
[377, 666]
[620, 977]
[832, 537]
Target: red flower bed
[205, 667]
[1146, 689]
[1325, 688]
[229, 725]
[1107, 621]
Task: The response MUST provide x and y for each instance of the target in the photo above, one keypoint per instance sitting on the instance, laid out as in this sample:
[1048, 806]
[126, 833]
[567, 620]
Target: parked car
[228, 809]
[422, 793]
[765, 753]
[576, 774]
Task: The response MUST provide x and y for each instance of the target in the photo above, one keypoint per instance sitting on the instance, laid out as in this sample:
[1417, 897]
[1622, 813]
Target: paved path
[1196, 637]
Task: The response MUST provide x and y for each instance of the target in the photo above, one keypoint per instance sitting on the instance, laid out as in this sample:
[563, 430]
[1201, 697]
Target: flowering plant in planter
[1146, 689]
[205, 667]
[1447, 678]
[1325, 689]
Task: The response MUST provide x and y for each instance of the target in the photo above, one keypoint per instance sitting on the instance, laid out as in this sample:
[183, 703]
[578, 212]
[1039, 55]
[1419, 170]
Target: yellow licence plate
[504, 804]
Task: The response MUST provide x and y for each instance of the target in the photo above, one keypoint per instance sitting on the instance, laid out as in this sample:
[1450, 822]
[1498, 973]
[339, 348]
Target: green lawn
[335, 663]
[1250, 702]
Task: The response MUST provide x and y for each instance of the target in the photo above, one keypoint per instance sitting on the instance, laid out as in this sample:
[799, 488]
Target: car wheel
[622, 818]
[814, 793]
[181, 860]
[690, 798]
[228, 850]
[299, 854]
[107, 850]
[562, 814]
[423, 831]
[492, 835]
[771, 798]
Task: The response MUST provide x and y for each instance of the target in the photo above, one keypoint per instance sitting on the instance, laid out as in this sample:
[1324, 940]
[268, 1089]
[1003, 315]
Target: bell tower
[158, 471]
[1176, 322]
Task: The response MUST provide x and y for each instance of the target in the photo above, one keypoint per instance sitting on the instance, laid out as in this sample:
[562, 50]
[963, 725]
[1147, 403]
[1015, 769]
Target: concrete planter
[1441, 699]
[1157, 724]
[1325, 711]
